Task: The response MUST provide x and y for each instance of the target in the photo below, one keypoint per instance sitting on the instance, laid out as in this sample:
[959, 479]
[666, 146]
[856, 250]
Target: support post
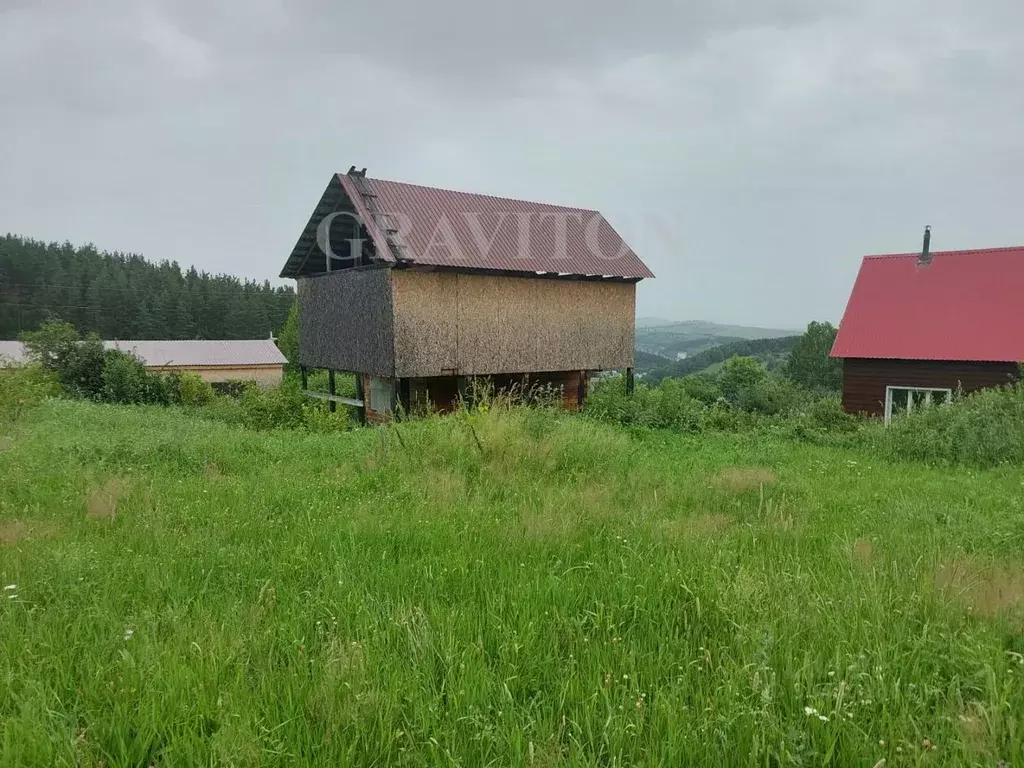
[302, 373]
[331, 405]
[581, 391]
[361, 395]
[404, 397]
[630, 383]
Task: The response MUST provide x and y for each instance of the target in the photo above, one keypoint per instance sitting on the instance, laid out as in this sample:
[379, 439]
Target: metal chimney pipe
[926, 254]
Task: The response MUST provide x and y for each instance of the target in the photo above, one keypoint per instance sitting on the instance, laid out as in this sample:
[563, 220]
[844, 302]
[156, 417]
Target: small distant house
[217, 362]
[12, 353]
[920, 326]
[418, 290]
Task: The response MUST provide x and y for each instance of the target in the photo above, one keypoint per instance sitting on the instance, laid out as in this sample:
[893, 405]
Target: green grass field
[497, 589]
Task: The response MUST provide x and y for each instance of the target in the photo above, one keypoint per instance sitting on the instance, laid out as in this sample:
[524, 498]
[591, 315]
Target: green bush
[772, 397]
[702, 388]
[738, 376]
[272, 408]
[22, 388]
[124, 379]
[316, 417]
[827, 413]
[193, 391]
[984, 429]
[667, 405]
[674, 408]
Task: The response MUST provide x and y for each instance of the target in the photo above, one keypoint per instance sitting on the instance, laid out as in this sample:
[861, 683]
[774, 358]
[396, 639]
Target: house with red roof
[921, 326]
[419, 290]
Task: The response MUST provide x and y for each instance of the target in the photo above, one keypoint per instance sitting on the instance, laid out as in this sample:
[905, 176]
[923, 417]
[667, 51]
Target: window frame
[892, 388]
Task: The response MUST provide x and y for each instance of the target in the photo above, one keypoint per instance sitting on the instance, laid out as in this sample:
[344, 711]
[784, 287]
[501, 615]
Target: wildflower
[128, 633]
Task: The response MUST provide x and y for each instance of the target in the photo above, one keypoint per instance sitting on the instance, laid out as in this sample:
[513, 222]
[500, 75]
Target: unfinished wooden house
[418, 290]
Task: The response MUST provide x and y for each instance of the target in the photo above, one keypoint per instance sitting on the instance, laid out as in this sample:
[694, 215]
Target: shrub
[984, 429]
[80, 371]
[272, 408]
[667, 405]
[124, 379]
[22, 388]
[318, 418]
[193, 391]
[772, 397]
[674, 408]
[738, 375]
[827, 413]
[702, 388]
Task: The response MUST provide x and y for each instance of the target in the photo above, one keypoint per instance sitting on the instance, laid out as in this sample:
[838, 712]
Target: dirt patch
[13, 532]
[985, 589]
[6, 443]
[546, 524]
[863, 552]
[700, 527]
[102, 502]
[447, 488]
[743, 478]
[17, 531]
[977, 735]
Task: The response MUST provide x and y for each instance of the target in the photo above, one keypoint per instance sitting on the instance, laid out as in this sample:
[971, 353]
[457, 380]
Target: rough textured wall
[864, 380]
[345, 321]
[266, 376]
[473, 324]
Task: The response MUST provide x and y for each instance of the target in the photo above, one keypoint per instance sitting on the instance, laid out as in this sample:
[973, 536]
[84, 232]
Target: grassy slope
[571, 594]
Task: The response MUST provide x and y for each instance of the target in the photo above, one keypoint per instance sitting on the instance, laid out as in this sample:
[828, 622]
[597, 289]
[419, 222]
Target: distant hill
[646, 362]
[771, 352]
[671, 339]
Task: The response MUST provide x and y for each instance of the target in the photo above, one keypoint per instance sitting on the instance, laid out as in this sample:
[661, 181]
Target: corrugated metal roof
[12, 352]
[444, 228]
[156, 354]
[203, 353]
[964, 305]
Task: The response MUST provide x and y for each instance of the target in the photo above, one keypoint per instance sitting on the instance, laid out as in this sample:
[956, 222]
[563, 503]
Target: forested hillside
[770, 352]
[123, 296]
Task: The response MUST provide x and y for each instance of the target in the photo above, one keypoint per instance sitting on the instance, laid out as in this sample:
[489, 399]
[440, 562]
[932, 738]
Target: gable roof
[226, 353]
[425, 226]
[964, 305]
[158, 354]
[12, 352]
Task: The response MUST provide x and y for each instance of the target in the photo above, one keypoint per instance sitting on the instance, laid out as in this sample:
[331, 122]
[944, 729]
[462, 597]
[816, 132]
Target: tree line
[701, 360]
[124, 296]
[807, 358]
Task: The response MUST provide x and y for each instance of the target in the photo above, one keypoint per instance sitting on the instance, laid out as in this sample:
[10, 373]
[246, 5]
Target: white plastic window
[901, 400]
[382, 394]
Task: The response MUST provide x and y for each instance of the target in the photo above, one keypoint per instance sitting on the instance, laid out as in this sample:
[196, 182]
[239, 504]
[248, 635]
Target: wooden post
[630, 383]
[331, 405]
[305, 382]
[404, 397]
[361, 395]
[581, 391]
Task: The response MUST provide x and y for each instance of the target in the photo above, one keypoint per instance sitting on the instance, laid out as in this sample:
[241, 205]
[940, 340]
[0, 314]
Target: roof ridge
[481, 194]
[960, 252]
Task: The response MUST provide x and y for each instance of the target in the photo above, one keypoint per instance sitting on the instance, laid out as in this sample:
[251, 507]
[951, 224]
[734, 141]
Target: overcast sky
[750, 152]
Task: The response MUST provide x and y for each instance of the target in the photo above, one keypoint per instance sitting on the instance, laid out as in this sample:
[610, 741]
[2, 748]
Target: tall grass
[983, 429]
[497, 587]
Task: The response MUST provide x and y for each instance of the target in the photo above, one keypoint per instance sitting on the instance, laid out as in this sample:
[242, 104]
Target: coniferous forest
[123, 296]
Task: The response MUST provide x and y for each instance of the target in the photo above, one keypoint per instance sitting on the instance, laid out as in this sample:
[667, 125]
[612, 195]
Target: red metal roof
[964, 305]
[443, 228]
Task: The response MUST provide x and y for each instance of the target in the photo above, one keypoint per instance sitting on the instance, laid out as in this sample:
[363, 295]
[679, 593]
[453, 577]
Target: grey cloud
[749, 152]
